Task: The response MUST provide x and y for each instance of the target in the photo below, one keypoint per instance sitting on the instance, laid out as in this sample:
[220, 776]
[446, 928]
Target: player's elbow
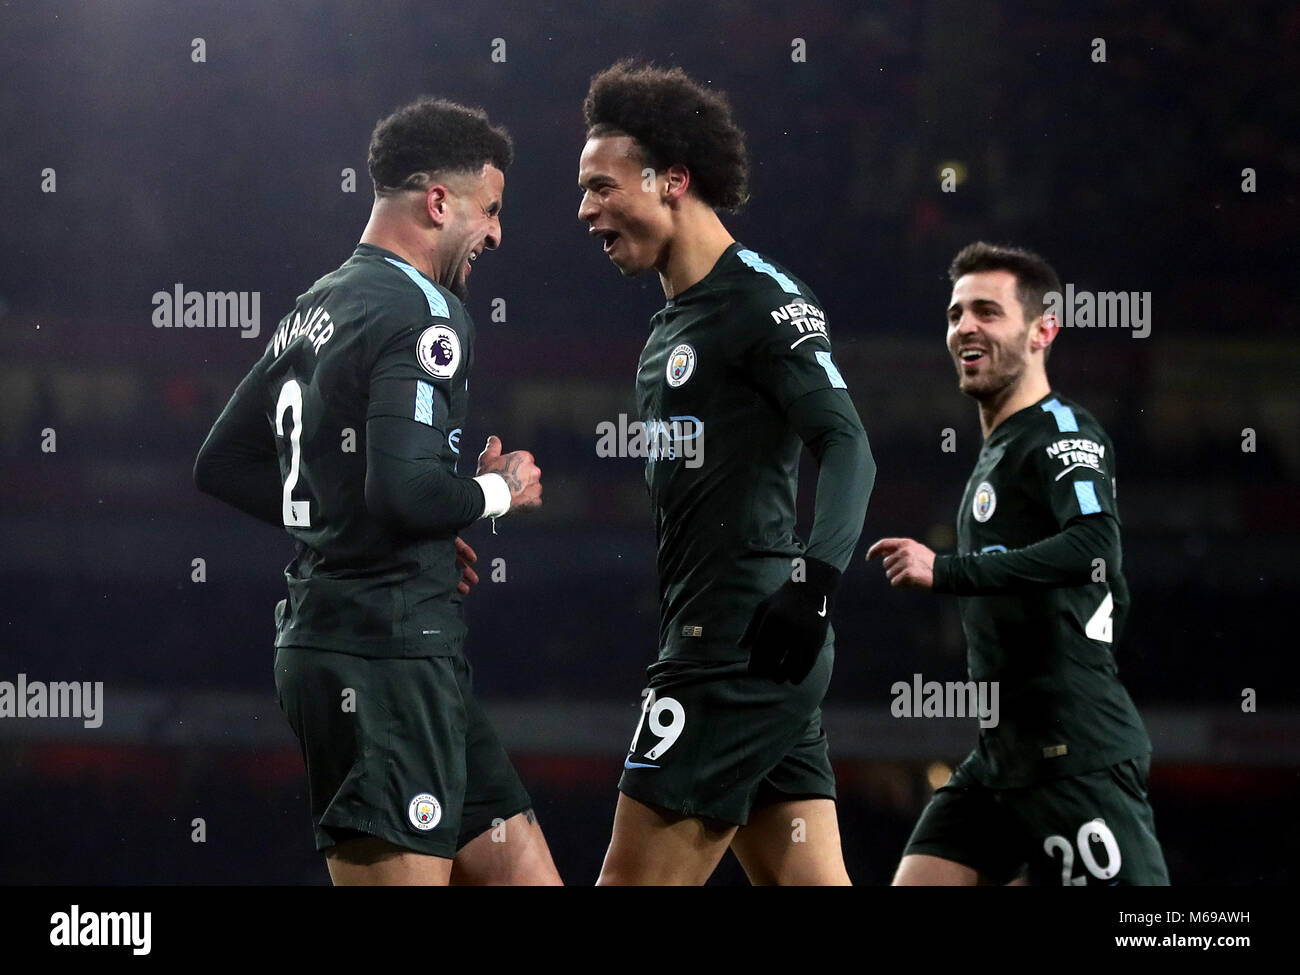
[866, 462]
[857, 459]
[1106, 542]
[207, 469]
[383, 503]
[1094, 547]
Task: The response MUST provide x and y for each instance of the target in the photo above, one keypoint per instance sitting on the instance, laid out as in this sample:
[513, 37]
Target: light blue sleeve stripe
[1086, 492]
[837, 381]
[437, 303]
[1065, 421]
[423, 403]
[760, 265]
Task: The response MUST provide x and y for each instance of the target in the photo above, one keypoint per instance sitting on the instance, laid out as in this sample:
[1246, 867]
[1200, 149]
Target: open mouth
[610, 237]
[970, 356]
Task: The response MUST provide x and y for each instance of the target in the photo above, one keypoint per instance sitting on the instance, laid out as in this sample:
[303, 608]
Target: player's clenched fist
[521, 474]
[907, 562]
[786, 634]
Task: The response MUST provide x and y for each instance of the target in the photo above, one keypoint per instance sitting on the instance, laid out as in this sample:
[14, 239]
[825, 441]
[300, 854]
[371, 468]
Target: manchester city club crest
[424, 812]
[985, 502]
[681, 363]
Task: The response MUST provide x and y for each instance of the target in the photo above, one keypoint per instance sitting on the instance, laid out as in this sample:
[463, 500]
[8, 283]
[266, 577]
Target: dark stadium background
[226, 175]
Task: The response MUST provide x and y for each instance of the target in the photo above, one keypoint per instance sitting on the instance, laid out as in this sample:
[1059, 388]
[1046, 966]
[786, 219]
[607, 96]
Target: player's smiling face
[988, 337]
[472, 224]
[633, 224]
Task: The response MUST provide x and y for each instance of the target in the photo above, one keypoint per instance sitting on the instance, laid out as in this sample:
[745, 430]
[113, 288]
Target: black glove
[789, 626]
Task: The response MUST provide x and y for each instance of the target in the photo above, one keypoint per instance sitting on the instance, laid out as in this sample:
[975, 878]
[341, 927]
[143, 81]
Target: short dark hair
[433, 135]
[1034, 276]
[676, 122]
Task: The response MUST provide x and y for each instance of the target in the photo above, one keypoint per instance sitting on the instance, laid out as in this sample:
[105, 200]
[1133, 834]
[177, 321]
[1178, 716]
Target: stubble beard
[457, 284]
[459, 287]
[988, 390]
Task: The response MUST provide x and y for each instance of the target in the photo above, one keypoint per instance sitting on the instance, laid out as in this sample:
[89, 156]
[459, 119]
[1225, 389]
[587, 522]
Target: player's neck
[1025, 393]
[699, 241]
[396, 236]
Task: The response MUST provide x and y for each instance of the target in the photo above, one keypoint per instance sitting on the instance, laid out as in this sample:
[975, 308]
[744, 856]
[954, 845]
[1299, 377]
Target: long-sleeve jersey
[1043, 601]
[734, 380]
[346, 432]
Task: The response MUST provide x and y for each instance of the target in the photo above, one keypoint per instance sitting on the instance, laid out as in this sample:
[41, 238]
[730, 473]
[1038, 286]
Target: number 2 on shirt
[297, 514]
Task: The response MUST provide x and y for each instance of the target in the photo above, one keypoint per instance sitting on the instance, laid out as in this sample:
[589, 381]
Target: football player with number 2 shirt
[346, 433]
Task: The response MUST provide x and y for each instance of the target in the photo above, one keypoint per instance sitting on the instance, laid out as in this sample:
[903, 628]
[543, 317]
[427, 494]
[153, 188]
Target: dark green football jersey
[1063, 708]
[374, 338]
[724, 361]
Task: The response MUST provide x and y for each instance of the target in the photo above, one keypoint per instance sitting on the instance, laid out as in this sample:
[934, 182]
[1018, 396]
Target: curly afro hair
[676, 122]
[433, 135]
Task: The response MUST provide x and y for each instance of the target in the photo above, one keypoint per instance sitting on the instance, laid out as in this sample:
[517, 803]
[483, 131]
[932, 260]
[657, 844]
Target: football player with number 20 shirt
[1056, 791]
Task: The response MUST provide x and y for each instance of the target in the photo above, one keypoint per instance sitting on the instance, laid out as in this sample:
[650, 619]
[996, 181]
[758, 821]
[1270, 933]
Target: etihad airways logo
[676, 438]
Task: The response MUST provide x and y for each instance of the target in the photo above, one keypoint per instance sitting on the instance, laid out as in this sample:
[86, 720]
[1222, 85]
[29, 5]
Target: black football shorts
[1090, 829]
[396, 748]
[715, 743]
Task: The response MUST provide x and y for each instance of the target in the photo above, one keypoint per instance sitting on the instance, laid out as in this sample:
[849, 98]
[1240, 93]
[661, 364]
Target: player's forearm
[1068, 558]
[237, 463]
[830, 428]
[247, 482]
[410, 491]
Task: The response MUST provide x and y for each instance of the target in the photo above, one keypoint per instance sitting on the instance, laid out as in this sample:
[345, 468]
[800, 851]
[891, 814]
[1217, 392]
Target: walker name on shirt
[315, 323]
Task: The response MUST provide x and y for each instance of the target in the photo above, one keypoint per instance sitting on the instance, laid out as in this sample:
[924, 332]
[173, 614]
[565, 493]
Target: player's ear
[435, 204]
[677, 182]
[1045, 330]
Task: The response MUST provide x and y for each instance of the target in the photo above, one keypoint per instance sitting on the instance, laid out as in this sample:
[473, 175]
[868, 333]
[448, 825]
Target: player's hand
[522, 475]
[908, 564]
[465, 557]
[789, 627]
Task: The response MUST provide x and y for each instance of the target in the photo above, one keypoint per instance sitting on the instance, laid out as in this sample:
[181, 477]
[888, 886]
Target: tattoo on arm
[512, 478]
